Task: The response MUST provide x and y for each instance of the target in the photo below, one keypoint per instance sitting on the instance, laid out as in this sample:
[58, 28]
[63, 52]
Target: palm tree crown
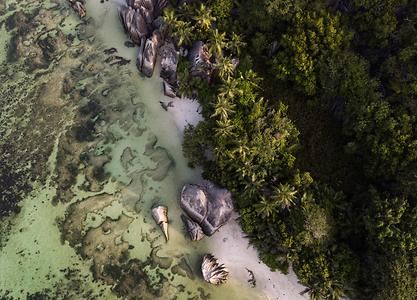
[236, 43]
[266, 208]
[204, 18]
[183, 32]
[284, 196]
[230, 88]
[225, 67]
[222, 108]
[217, 43]
[170, 18]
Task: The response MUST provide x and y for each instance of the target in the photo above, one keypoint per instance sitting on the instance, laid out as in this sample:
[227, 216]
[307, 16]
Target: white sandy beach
[230, 245]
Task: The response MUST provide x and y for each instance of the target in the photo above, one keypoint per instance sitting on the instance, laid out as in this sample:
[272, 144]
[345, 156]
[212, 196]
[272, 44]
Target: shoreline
[230, 239]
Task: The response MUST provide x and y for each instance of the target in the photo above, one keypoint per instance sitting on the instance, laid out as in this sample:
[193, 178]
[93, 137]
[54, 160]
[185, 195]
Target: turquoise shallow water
[80, 235]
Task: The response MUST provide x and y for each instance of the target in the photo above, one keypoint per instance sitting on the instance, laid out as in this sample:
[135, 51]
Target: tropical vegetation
[315, 134]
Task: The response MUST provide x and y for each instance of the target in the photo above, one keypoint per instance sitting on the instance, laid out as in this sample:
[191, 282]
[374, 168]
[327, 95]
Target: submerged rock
[183, 269]
[193, 229]
[207, 204]
[160, 215]
[213, 272]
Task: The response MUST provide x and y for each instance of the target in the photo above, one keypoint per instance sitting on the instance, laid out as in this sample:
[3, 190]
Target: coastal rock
[169, 90]
[153, 8]
[193, 229]
[213, 272]
[134, 23]
[199, 58]
[169, 63]
[159, 7]
[194, 202]
[146, 59]
[207, 204]
[160, 215]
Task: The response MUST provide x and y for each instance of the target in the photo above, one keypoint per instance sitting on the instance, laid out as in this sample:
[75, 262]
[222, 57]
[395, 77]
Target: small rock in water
[160, 215]
[213, 272]
[169, 90]
[110, 51]
[129, 44]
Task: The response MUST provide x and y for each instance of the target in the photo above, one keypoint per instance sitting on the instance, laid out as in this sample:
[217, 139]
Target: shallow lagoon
[88, 215]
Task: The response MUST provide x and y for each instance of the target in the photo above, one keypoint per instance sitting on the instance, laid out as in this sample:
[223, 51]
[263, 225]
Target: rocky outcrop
[207, 205]
[193, 229]
[169, 62]
[160, 215]
[199, 58]
[169, 90]
[148, 50]
[213, 272]
[140, 19]
[134, 24]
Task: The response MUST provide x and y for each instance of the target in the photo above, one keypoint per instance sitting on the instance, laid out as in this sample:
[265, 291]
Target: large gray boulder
[206, 204]
[134, 23]
[146, 59]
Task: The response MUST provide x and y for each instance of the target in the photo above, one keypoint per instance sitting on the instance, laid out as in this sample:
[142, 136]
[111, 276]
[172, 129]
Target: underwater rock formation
[207, 204]
[160, 215]
[213, 272]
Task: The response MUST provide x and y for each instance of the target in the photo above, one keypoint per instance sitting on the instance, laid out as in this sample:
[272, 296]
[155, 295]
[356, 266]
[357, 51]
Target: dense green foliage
[315, 134]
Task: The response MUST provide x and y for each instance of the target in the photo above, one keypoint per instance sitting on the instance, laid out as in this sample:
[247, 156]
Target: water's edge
[88, 215]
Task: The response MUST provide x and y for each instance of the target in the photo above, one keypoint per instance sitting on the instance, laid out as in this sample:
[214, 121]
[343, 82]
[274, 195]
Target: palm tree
[224, 128]
[230, 88]
[183, 32]
[284, 195]
[225, 68]
[266, 208]
[222, 108]
[236, 43]
[315, 292]
[217, 43]
[170, 18]
[203, 17]
[334, 290]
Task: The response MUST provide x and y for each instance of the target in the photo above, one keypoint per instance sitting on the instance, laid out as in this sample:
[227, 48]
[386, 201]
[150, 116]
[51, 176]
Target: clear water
[141, 143]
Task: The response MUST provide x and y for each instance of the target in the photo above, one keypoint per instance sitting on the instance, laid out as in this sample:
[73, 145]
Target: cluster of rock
[78, 6]
[207, 208]
[213, 271]
[142, 22]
